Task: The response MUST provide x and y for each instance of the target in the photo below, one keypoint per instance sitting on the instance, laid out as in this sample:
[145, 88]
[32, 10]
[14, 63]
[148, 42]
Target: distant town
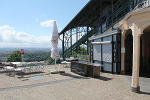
[26, 50]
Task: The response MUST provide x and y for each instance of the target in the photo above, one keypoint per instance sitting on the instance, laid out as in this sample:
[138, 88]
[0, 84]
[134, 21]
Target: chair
[71, 58]
[9, 70]
[19, 70]
[41, 68]
[68, 63]
[2, 66]
[63, 63]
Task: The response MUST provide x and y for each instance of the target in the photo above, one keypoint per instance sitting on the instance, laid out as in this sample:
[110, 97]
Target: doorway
[128, 53]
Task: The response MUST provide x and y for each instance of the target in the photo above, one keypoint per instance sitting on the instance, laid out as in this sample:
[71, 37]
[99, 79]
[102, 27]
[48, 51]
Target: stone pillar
[123, 53]
[136, 32]
[22, 57]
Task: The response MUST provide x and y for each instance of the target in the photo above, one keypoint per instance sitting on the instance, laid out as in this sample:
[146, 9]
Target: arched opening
[145, 53]
[128, 52]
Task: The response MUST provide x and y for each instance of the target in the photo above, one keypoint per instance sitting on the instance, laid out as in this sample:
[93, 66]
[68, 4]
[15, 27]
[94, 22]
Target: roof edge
[75, 17]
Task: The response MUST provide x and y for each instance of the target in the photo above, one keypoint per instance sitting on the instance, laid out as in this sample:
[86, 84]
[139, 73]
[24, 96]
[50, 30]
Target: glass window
[97, 52]
[108, 66]
[107, 52]
[114, 37]
[108, 38]
[114, 67]
[97, 40]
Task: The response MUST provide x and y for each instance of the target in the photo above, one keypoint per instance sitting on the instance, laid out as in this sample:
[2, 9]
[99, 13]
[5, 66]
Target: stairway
[120, 10]
[83, 39]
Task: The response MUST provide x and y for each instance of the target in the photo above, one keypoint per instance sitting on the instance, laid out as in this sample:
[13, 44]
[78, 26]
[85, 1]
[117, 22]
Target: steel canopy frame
[87, 19]
[91, 18]
[92, 7]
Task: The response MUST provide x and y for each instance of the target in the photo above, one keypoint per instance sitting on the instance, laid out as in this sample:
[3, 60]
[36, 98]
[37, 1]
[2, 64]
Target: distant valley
[26, 50]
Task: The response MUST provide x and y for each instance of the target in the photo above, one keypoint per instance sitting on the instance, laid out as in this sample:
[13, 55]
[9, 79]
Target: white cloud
[6, 27]
[10, 38]
[47, 23]
[37, 19]
[59, 29]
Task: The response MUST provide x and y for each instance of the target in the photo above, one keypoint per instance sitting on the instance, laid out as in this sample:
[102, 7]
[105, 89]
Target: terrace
[67, 86]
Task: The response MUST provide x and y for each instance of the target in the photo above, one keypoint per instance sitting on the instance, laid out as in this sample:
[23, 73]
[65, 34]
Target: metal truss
[72, 36]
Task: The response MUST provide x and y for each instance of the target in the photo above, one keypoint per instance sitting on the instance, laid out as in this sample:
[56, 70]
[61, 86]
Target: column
[123, 53]
[22, 57]
[136, 32]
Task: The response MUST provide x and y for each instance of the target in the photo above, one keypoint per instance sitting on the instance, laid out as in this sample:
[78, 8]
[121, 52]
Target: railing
[19, 59]
[81, 40]
[119, 12]
[80, 57]
[23, 64]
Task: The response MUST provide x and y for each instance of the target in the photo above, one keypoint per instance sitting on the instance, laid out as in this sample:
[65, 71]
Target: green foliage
[49, 60]
[80, 50]
[36, 56]
[15, 56]
[27, 57]
[30, 57]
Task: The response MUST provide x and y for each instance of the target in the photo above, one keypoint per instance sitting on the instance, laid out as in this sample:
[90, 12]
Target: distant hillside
[30, 54]
[36, 56]
[26, 50]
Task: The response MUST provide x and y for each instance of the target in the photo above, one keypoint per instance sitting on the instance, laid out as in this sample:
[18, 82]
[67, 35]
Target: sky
[28, 23]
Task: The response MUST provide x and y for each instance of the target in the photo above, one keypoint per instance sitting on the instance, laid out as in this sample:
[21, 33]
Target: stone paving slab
[68, 86]
[143, 82]
[37, 77]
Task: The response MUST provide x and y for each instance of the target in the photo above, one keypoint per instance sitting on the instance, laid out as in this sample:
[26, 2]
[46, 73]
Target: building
[117, 33]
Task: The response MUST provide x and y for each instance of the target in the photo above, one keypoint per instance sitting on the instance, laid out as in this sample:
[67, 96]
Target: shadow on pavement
[146, 93]
[141, 74]
[2, 72]
[104, 78]
[25, 80]
[73, 76]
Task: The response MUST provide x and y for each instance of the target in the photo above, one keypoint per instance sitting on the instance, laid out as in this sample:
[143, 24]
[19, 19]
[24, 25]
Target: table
[69, 59]
[16, 63]
[65, 63]
[37, 68]
[9, 69]
[86, 68]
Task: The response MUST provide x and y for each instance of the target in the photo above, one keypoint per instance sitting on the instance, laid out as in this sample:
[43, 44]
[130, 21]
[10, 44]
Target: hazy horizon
[28, 23]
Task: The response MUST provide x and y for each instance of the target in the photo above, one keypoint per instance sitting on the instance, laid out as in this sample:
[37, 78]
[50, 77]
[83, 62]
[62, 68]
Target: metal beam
[71, 40]
[132, 4]
[76, 39]
[112, 13]
[63, 48]
[101, 15]
[87, 29]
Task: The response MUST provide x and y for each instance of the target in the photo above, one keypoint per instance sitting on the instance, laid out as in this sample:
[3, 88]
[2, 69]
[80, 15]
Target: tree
[15, 56]
[49, 60]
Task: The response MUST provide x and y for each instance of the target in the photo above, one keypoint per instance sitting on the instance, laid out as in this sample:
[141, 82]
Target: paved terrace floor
[68, 86]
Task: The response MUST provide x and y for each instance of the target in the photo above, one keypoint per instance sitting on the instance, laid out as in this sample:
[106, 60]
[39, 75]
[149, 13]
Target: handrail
[118, 13]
